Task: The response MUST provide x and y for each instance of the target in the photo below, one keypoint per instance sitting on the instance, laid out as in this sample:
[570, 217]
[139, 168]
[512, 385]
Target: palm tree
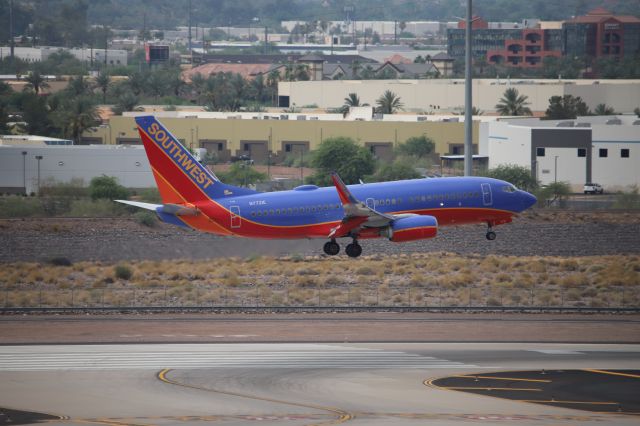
[78, 115]
[272, 83]
[389, 103]
[603, 109]
[512, 103]
[352, 100]
[103, 82]
[36, 82]
[78, 86]
[126, 102]
[301, 72]
[476, 111]
[356, 66]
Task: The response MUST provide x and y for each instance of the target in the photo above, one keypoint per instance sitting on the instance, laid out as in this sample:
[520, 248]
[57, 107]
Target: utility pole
[106, 45]
[468, 102]
[11, 41]
[266, 39]
[189, 44]
[395, 31]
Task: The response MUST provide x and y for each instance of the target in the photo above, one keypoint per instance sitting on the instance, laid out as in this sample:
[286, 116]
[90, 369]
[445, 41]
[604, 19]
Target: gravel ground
[115, 239]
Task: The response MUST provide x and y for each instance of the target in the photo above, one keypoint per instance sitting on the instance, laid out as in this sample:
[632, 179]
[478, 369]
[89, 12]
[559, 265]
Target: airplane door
[236, 219]
[486, 194]
[371, 203]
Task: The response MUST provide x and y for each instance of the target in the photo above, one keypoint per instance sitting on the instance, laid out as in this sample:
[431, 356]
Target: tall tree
[78, 86]
[417, 146]
[389, 103]
[36, 82]
[78, 115]
[343, 155]
[566, 107]
[103, 82]
[513, 104]
[352, 100]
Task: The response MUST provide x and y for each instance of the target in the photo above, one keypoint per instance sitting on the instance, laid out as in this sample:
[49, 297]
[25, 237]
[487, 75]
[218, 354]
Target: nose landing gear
[490, 234]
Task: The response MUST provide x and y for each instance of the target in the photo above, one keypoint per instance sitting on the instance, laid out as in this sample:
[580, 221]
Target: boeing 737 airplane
[407, 210]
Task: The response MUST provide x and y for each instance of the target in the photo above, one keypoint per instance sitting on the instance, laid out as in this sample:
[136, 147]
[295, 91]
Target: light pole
[24, 171]
[38, 157]
[301, 164]
[555, 172]
[468, 120]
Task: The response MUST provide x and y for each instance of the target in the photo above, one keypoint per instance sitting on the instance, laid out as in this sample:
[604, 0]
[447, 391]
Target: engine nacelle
[412, 228]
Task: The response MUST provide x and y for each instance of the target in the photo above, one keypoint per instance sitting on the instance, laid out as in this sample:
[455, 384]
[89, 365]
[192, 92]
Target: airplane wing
[357, 214]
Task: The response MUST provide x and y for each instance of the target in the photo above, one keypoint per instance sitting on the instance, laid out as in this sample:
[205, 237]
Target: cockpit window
[509, 188]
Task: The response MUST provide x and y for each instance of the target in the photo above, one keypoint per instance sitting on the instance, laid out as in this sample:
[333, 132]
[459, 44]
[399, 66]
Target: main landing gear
[332, 248]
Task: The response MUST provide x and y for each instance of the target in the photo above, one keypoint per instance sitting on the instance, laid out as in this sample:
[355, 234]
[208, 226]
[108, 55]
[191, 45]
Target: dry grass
[418, 279]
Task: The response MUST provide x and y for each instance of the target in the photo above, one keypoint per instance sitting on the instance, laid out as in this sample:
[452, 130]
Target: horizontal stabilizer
[172, 209]
[146, 206]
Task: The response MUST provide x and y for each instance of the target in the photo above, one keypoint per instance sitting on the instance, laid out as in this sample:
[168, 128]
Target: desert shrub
[107, 187]
[97, 208]
[146, 218]
[16, 206]
[123, 272]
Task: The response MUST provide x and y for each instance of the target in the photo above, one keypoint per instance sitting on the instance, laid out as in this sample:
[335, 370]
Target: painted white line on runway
[305, 356]
[556, 352]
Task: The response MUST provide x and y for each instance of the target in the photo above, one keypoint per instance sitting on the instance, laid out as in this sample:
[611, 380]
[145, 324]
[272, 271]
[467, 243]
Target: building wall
[508, 145]
[615, 172]
[441, 95]
[276, 133]
[515, 142]
[63, 163]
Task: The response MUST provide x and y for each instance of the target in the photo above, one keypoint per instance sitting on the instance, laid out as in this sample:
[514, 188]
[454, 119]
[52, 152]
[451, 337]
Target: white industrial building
[604, 149]
[23, 167]
[447, 95]
[115, 57]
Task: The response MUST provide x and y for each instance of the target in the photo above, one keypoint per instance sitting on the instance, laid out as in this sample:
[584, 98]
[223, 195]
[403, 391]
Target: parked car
[593, 188]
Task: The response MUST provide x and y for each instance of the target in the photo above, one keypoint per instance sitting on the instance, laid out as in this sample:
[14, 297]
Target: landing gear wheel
[354, 249]
[331, 248]
[491, 235]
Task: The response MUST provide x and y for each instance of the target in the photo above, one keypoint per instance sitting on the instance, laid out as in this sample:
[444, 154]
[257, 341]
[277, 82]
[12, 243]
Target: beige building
[251, 134]
[442, 95]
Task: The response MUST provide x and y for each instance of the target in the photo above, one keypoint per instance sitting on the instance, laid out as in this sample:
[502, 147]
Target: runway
[292, 384]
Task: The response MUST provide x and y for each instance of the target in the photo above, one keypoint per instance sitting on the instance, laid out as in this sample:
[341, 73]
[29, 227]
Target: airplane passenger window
[253, 214]
[295, 210]
[388, 202]
[271, 211]
[277, 211]
[265, 212]
[259, 213]
[313, 209]
[423, 198]
[290, 210]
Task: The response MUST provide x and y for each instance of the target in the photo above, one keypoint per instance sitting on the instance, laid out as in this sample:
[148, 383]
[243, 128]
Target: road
[295, 383]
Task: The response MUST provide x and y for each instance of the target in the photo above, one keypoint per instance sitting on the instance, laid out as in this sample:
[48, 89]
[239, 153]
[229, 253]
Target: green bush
[74, 189]
[628, 200]
[107, 187]
[123, 272]
[146, 218]
[60, 261]
[97, 208]
[18, 206]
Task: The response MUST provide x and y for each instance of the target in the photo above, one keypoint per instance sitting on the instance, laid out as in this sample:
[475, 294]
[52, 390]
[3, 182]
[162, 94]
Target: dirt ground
[552, 233]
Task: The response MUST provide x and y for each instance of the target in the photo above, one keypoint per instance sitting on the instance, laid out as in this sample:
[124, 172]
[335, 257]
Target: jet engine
[411, 228]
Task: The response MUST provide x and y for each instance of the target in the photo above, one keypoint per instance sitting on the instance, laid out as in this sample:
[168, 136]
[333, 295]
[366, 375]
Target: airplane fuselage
[311, 212]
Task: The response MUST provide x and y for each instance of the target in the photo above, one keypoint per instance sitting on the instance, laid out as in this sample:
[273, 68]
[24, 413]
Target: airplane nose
[528, 200]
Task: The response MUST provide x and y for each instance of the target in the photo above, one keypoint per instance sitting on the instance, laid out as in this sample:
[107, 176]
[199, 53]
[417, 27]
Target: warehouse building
[447, 95]
[604, 149]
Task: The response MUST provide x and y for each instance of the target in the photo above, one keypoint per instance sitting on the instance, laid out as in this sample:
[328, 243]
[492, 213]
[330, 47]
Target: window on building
[220, 145]
[539, 152]
[624, 153]
[582, 152]
[287, 147]
[604, 152]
